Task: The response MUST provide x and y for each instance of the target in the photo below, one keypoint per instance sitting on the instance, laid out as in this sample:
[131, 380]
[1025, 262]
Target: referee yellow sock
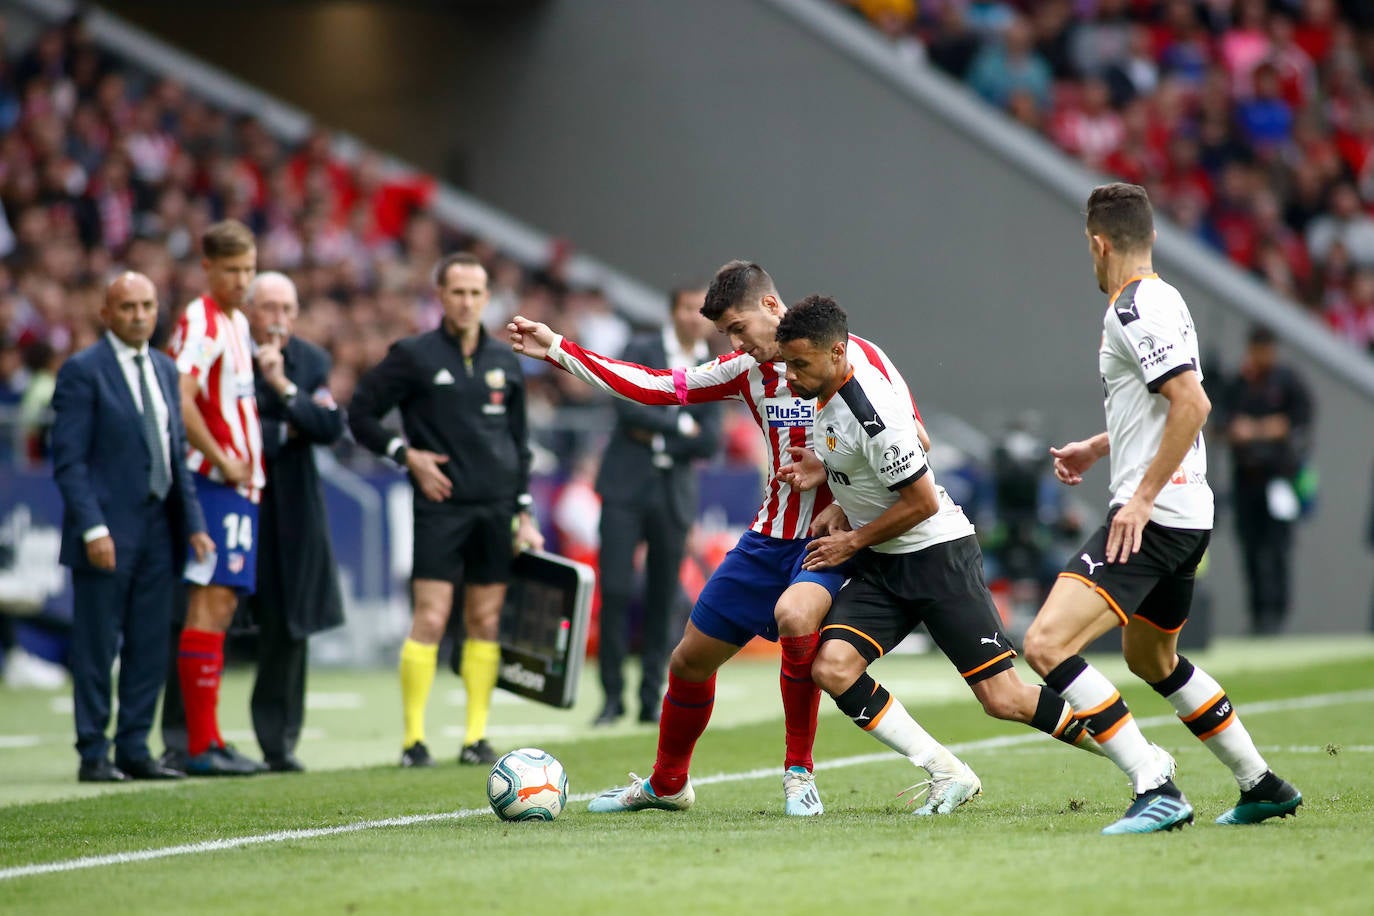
[480, 661]
[418, 662]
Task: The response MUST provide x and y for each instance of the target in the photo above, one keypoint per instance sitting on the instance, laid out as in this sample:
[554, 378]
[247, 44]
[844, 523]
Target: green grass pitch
[358, 835]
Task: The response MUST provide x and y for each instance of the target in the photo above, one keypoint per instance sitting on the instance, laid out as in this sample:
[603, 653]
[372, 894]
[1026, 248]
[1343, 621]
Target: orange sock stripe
[1111, 602]
[1109, 733]
[841, 626]
[1064, 719]
[1198, 713]
[873, 723]
[1225, 724]
[1007, 654]
[1114, 698]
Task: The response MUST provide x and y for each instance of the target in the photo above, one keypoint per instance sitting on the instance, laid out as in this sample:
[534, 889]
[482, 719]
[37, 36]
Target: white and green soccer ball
[527, 785]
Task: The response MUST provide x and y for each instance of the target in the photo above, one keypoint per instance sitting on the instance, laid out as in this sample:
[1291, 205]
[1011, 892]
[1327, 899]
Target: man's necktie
[159, 478]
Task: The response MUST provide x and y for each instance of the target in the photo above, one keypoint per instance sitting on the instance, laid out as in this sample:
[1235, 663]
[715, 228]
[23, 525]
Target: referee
[461, 397]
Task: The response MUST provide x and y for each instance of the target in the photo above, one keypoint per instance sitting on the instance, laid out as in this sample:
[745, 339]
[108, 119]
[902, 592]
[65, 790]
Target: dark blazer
[101, 461]
[296, 569]
[627, 468]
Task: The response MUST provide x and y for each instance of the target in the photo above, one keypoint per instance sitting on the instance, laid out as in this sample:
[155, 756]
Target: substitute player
[213, 353]
[1137, 571]
[915, 556]
[760, 589]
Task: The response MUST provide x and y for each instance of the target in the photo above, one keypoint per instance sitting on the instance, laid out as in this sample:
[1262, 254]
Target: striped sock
[418, 662]
[480, 665]
[686, 710]
[1098, 705]
[883, 716]
[1205, 708]
[1055, 718]
[801, 698]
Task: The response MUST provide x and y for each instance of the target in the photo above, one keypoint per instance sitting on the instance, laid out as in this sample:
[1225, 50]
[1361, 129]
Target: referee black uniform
[471, 409]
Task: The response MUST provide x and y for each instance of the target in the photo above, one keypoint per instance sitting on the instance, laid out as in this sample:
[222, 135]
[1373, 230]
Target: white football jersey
[866, 435]
[1148, 338]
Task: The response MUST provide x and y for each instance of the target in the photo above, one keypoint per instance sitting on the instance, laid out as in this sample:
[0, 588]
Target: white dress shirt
[125, 355]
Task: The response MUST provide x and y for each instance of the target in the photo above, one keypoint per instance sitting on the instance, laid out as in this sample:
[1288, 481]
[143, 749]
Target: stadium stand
[1251, 122]
[105, 164]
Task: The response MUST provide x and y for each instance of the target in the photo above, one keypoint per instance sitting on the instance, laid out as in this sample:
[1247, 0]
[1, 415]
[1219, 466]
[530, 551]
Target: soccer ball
[527, 785]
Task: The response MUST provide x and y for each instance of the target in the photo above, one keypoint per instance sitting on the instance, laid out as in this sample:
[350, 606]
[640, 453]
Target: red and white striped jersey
[785, 419]
[215, 349]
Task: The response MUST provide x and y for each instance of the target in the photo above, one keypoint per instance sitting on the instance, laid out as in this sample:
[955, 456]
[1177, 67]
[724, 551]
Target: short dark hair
[677, 292]
[818, 319]
[734, 284]
[1123, 214]
[466, 258]
[226, 239]
[1261, 334]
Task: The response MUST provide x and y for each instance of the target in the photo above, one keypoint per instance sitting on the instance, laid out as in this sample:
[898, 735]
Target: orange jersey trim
[1158, 627]
[1153, 275]
[845, 381]
[1111, 602]
[841, 626]
[1007, 654]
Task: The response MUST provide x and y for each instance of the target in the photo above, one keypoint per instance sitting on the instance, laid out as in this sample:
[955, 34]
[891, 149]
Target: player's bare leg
[1005, 696]
[687, 708]
[433, 600]
[842, 672]
[1203, 706]
[1073, 616]
[479, 666]
[799, 613]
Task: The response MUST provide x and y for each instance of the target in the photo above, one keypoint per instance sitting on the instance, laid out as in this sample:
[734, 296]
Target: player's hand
[527, 534]
[830, 520]
[272, 366]
[531, 338]
[235, 471]
[1123, 536]
[202, 545]
[101, 553]
[806, 472]
[1072, 461]
[829, 551]
[429, 477]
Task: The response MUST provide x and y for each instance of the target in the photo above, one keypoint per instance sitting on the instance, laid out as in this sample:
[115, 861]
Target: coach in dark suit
[649, 495]
[129, 511]
[298, 582]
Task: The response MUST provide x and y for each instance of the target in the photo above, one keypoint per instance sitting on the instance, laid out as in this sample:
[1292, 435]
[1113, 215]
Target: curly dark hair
[818, 319]
[737, 283]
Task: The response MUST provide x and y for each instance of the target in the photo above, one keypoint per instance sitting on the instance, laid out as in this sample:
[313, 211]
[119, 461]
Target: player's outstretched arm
[1073, 460]
[717, 380]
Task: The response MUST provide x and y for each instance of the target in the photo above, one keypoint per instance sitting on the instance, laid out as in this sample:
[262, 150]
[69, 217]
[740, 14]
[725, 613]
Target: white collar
[124, 352]
[672, 345]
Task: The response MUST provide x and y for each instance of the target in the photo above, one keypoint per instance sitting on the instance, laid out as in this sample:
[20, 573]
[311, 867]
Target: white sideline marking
[281, 836]
[7, 741]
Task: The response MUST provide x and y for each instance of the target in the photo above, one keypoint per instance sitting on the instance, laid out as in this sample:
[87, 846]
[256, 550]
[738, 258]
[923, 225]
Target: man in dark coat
[1268, 416]
[129, 512]
[648, 490]
[298, 582]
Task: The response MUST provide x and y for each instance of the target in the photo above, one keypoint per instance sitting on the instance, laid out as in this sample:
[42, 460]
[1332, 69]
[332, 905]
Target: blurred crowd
[1251, 122]
[103, 165]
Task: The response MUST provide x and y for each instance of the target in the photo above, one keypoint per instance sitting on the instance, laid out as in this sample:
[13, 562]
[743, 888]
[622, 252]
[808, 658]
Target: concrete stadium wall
[666, 137]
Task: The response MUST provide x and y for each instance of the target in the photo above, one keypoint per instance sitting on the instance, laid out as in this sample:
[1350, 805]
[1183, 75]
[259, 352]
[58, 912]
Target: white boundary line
[282, 836]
